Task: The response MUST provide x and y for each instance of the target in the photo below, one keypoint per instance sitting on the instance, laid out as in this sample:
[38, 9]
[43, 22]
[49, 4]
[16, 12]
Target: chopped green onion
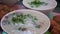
[37, 3]
[20, 28]
[37, 26]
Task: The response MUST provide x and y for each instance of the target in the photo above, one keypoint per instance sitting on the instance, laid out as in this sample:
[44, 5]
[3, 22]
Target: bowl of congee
[25, 21]
[45, 6]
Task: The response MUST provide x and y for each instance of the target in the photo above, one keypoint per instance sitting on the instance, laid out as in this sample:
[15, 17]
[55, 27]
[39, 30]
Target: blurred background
[57, 9]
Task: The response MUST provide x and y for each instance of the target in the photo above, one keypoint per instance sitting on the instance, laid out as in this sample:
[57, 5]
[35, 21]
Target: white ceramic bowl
[51, 4]
[38, 14]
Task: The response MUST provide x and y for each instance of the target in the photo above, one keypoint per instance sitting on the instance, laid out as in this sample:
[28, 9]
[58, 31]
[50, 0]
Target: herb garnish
[37, 3]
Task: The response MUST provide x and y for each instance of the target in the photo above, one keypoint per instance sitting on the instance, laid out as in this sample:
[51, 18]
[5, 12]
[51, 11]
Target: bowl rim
[25, 10]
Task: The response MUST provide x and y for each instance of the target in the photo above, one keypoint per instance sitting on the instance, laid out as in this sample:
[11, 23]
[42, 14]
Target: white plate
[51, 4]
[42, 17]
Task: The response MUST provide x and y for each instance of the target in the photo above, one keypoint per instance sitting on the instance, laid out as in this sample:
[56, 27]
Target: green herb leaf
[37, 26]
[20, 28]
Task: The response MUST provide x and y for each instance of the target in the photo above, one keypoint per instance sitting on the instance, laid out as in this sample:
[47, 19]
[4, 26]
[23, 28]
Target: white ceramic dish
[41, 17]
[51, 4]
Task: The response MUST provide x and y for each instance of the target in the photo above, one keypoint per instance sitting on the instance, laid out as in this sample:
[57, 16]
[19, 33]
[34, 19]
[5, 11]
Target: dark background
[58, 1]
[57, 9]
